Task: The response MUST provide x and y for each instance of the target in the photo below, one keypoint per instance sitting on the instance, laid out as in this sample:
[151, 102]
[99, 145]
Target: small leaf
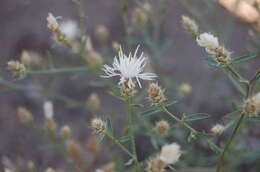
[156, 109]
[124, 139]
[109, 126]
[137, 105]
[256, 77]
[211, 62]
[232, 115]
[244, 58]
[204, 135]
[196, 116]
[254, 118]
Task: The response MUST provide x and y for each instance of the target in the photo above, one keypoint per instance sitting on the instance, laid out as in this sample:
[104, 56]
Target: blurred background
[175, 56]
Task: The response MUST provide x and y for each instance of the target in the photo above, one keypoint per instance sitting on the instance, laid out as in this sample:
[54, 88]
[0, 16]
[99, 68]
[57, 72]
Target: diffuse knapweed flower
[212, 46]
[217, 129]
[129, 68]
[49, 123]
[190, 25]
[185, 88]
[169, 154]
[156, 94]
[65, 132]
[252, 105]
[16, 67]
[98, 125]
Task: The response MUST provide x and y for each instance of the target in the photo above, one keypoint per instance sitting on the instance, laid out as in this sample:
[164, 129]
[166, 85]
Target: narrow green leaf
[254, 118]
[204, 135]
[243, 58]
[196, 116]
[211, 62]
[129, 162]
[109, 126]
[156, 109]
[124, 139]
[256, 77]
[232, 115]
[237, 86]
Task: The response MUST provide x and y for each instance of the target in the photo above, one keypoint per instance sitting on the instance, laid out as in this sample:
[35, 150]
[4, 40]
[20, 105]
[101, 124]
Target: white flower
[70, 29]
[48, 109]
[128, 68]
[52, 22]
[170, 153]
[209, 42]
[217, 129]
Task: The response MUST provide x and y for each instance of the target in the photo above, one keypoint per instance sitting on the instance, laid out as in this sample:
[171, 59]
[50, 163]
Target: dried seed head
[162, 127]
[48, 109]
[185, 88]
[92, 144]
[16, 67]
[24, 115]
[74, 150]
[217, 129]
[101, 33]
[156, 94]
[65, 132]
[30, 58]
[93, 102]
[190, 25]
[156, 165]
[98, 125]
[50, 170]
[110, 167]
[170, 153]
[139, 16]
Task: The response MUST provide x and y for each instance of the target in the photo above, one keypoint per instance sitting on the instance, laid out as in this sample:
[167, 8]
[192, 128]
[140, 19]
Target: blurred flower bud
[110, 167]
[74, 150]
[50, 170]
[93, 144]
[217, 129]
[50, 126]
[139, 16]
[190, 25]
[102, 33]
[162, 127]
[156, 165]
[24, 115]
[30, 58]
[71, 30]
[16, 67]
[93, 58]
[156, 94]
[93, 102]
[48, 110]
[8, 170]
[115, 46]
[65, 132]
[98, 125]
[185, 88]
[147, 7]
[31, 166]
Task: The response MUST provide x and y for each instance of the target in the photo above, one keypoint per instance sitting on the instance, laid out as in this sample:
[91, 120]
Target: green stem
[59, 70]
[230, 139]
[117, 142]
[130, 126]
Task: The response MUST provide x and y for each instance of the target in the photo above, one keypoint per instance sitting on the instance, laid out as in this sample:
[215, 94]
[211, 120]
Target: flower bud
[30, 58]
[139, 16]
[65, 132]
[252, 105]
[126, 92]
[217, 129]
[16, 67]
[98, 125]
[185, 88]
[102, 33]
[162, 127]
[93, 102]
[156, 94]
[50, 170]
[93, 144]
[190, 25]
[116, 46]
[74, 150]
[156, 165]
[24, 115]
[50, 126]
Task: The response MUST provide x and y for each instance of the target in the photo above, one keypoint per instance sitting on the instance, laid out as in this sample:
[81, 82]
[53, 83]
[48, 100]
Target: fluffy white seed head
[48, 110]
[217, 129]
[208, 41]
[129, 68]
[170, 153]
